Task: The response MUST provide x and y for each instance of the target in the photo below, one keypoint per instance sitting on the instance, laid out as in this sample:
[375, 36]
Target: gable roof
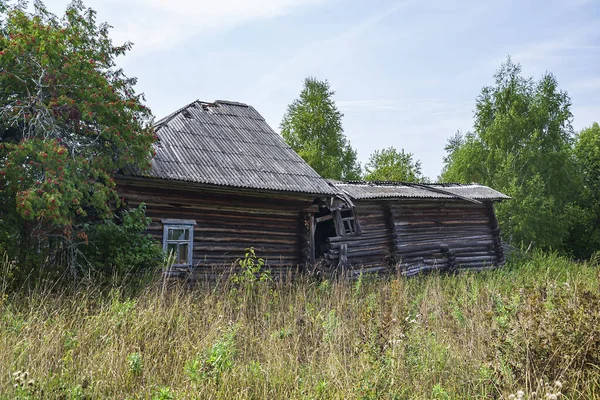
[229, 144]
[392, 190]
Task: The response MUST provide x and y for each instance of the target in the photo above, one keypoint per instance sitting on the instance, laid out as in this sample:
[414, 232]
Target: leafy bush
[163, 393]
[135, 364]
[218, 359]
[69, 118]
[120, 246]
[252, 270]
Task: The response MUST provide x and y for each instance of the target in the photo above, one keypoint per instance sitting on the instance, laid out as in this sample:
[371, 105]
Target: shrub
[134, 363]
[252, 270]
[214, 362]
[120, 246]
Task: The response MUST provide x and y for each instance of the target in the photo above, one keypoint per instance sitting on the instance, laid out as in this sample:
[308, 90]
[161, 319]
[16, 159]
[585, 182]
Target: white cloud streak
[327, 50]
[159, 24]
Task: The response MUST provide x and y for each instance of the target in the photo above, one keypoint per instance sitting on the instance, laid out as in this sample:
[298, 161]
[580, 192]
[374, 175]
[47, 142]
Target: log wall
[449, 235]
[372, 250]
[227, 223]
[410, 235]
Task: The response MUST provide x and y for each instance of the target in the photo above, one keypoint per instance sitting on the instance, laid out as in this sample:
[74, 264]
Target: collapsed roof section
[403, 190]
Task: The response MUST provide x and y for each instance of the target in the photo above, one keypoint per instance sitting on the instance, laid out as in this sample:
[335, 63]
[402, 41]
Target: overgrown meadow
[529, 330]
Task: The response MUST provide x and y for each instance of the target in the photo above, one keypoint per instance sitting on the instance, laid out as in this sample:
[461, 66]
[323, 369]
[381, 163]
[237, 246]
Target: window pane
[349, 226]
[182, 257]
[172, 249]
[178, 234]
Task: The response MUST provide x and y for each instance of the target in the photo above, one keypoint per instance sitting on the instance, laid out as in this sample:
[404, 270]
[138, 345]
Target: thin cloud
[586, 85]
[329, 49]
[567, 42]
[157, 24]
[432, 107]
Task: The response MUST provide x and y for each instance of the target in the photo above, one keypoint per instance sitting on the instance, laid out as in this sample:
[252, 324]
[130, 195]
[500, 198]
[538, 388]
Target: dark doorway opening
[324, 229]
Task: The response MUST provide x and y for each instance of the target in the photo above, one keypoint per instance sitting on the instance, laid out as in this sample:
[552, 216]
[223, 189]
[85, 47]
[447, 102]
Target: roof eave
[178, 182]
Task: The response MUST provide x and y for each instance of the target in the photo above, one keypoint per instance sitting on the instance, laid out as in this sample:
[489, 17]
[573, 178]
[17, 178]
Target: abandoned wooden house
[223, 181]
[410, 228]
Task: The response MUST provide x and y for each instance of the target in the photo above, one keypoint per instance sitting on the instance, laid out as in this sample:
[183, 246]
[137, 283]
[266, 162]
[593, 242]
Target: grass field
[474, 335]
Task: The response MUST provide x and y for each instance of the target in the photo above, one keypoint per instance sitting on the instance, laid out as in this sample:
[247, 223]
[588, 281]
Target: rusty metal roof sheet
[230, 144]
[391, 190]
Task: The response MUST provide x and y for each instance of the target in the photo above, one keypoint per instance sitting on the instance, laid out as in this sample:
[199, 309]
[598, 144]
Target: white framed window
[178, 240]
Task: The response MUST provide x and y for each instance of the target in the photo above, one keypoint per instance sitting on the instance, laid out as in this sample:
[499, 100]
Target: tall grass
[473, 335]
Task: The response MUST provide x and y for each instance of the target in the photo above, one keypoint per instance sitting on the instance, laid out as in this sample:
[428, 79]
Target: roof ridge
[169, 117]
[172, 115]
[231, 103]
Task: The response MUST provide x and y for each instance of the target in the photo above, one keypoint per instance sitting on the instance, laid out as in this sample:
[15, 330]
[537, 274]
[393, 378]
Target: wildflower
[520, 394]
[558, 384]
[511, 397]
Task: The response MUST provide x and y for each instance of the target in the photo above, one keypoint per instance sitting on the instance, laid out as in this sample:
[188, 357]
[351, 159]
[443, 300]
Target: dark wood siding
[445, 235]
[373, 247]
[419, 236]
[229, 222]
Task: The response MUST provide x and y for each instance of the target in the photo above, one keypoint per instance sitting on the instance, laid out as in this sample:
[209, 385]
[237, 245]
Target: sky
[406, 73]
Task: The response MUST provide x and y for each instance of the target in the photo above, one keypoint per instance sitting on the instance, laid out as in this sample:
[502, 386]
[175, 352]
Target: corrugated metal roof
[389, 190]
[230, 144]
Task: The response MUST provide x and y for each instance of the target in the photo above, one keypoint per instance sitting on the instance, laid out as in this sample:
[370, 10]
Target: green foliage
[163, 393]
[312, 126]
[585, 233]
[252, 270]
[215, 361]
[135, 364]
[438, 392]
[69, 119]
[129, 249]
[521, 146]
[393, 165]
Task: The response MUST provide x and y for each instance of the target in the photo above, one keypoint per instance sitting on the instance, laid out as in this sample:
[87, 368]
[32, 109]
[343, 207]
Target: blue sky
[406, 73]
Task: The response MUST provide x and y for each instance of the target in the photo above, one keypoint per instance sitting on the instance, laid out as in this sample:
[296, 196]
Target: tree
[584, 239]
[522, 146]
[312, 126]
[393, 165]
[69, 119]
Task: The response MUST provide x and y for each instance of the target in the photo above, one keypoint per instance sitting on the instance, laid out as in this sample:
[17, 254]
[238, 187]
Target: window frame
[352, 221]
[185, 224]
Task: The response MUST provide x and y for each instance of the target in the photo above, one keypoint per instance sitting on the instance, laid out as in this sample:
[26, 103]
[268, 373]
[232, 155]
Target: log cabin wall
[372, 249]
[445, 235]
[227, 223]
